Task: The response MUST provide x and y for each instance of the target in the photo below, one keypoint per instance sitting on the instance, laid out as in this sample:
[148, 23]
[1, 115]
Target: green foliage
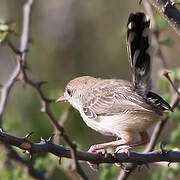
[10, 171]
[42, 162]
[160, 23]
[166, 173]
[5, 30]
[173, 141]
[166, 42]
[109, 172]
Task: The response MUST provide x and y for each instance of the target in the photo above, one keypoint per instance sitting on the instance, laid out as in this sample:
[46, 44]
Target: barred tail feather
[140, 51]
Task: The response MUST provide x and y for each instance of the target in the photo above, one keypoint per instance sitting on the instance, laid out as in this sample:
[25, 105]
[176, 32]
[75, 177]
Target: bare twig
[166, 74]
[26, 29]
[23, 49]
[21, 59]
[62, 119]
[12, 154]
[27, 166]
[155, 34]
[169, 11]
[6, 90]
[46, 109]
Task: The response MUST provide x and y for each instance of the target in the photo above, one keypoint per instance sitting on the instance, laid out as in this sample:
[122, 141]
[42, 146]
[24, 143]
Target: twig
[12, 154]
[61, 151]
[46, 109]
[169, 11]
[21, 58]
[62, 119]
[27, 166]
[166, 74]
[6, 88]
[26, 29]
[155, 34]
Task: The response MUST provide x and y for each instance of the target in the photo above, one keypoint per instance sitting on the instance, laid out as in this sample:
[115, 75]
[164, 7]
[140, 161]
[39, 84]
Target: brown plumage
[117, 107]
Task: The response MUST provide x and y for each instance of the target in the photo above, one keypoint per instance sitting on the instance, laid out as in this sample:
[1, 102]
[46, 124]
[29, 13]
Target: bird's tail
[140, 51]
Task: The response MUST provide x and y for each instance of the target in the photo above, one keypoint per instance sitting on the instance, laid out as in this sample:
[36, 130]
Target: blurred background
[70, 38]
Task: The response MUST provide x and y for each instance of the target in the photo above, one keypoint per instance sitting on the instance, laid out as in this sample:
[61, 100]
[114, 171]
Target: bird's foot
[93, 149]
[123, 149]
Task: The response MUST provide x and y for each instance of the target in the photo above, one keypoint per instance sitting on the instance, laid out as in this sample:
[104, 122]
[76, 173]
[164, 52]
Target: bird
[120, 108]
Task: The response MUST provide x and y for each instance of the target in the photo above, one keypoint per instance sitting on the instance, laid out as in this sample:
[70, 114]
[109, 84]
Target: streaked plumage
[117, 107]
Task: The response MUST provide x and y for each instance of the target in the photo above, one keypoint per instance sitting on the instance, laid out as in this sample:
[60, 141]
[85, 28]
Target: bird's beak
[61, 98]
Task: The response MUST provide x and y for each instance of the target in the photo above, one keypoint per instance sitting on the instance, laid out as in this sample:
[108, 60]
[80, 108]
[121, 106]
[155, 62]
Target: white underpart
[123, 123]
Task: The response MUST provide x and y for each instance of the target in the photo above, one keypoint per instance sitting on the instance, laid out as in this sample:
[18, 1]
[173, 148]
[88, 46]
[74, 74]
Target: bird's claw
[123, 149]
[101, 152]
[162, 150]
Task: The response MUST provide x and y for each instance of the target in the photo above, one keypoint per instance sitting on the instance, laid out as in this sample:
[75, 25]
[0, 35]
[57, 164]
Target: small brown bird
[116, 107]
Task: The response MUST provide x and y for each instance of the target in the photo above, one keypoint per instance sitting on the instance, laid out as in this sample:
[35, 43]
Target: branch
[23, 50]
[12, 154]
[27, 166]
[169, 11]
[6, 88]
[61, 151]
[45, 102]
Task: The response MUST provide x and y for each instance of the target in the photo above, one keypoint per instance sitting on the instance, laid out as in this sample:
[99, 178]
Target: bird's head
[75, 89]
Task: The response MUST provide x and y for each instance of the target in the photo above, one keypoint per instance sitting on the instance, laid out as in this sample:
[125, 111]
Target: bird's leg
[144, 140]
[101, 148]
[124, 141]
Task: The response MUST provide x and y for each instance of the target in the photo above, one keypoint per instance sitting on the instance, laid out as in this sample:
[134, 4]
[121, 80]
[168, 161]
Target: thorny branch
[61, 151]
[20, 69]
[6, 88]
[48, 146]
[45, 102]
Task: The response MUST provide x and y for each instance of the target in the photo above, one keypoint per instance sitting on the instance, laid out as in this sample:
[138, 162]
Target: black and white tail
[140, 51]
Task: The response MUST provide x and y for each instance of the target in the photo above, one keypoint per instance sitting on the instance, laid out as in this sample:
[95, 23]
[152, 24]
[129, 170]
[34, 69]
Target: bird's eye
[69, 92]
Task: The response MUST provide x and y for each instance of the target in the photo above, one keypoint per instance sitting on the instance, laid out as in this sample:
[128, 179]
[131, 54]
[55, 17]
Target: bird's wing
[140, 52]
[111, 98]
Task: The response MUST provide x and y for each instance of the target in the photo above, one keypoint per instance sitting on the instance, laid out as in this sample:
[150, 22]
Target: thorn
[28, 135]
[31, 157]
[42, 140]
[166, 73]
[51, 138]
[162, 150]
[169, 164]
